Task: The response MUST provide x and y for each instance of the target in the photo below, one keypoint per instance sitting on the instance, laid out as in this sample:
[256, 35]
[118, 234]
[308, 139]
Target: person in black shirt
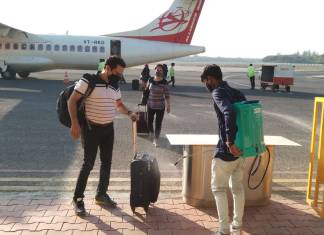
[227, 164]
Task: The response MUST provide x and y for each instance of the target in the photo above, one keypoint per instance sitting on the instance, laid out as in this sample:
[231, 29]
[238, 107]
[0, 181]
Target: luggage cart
[275, 76]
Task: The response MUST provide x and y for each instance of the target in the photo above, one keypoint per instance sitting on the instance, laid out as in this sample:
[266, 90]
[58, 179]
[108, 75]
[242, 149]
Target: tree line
[306, 57]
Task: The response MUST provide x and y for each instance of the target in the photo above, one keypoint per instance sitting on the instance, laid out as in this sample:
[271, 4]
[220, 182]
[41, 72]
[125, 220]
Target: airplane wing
[10, 32]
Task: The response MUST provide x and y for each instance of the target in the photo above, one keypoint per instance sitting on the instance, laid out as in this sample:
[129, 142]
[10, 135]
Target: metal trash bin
[196, 190]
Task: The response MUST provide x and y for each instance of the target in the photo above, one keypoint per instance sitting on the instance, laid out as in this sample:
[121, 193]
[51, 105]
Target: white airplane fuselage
[166, 37]
[26, 54]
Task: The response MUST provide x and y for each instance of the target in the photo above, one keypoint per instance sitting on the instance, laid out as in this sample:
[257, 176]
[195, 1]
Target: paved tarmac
[34, 144]
[38, 158]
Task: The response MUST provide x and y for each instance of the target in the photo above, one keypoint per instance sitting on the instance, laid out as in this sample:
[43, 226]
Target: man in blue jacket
[227, 165]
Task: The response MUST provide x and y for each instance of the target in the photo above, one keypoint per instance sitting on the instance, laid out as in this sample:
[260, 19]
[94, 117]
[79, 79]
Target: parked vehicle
[275, 76]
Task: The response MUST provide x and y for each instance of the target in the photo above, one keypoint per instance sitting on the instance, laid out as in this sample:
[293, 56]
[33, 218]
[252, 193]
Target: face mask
[158, 73]
[209, 87]
[114, 78]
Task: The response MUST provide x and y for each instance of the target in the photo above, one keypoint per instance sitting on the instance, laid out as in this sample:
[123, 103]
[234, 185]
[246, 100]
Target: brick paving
[166, 217]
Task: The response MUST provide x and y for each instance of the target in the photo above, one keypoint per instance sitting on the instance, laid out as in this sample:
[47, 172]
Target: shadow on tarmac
[27, 139]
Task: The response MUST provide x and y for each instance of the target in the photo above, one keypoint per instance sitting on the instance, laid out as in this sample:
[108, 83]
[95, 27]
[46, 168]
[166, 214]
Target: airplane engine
[23, 74]
[9, 73]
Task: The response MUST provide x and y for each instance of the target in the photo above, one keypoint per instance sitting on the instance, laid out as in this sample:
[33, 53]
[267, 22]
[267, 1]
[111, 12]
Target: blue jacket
[224, 96]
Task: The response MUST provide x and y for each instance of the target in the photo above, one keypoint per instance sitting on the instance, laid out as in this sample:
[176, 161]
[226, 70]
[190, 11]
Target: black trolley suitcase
[145, 178]
[142, 122]
[135, 84]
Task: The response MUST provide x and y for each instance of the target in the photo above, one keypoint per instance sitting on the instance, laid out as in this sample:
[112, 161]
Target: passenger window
[94, 49]
[72, 48]
[48, 47]
[23, 46]
[7, 46]
[56, 47]
[80, 49]
[40, 47]
[87, 49]
[15, 46]
[102, 49]
[64, 48]
[32, 47]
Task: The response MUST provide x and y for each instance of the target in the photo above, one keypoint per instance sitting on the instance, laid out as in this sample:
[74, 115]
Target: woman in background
[158, 101]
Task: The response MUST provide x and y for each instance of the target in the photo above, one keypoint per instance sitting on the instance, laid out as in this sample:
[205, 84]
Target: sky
[227, 28]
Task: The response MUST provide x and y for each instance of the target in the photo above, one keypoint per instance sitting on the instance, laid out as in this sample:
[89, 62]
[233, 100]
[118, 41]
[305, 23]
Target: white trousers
[224, 174]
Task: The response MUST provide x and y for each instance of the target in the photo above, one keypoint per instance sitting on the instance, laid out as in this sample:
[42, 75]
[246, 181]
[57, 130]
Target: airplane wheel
[24, 74]
[288, 88]
[273, 88]
[9, 74]
[263, 86]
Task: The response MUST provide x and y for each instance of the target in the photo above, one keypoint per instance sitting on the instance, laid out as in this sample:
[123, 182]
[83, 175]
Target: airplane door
[115, 47]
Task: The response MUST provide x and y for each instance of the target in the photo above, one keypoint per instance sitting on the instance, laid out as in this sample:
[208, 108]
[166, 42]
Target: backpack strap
[234, 94]
[91, 86]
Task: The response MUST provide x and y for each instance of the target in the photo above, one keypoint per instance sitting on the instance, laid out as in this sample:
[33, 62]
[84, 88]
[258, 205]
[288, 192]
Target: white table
[198, 151]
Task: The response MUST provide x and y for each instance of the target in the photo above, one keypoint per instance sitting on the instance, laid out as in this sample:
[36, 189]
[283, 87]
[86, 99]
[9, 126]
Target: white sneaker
[155, 142]
[236, 230]
[219, 233]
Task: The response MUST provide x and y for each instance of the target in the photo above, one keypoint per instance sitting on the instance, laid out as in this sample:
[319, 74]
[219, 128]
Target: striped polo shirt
[159, 92]
[100, 106]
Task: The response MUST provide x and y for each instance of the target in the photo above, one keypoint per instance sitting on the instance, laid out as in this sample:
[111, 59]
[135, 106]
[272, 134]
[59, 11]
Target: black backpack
[62, 102]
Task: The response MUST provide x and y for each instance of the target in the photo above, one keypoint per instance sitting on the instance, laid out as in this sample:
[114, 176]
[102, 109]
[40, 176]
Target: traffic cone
[66, 78]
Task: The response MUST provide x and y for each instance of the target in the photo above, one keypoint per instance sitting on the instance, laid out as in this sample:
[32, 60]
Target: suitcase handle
[134, 132]
[141, 105]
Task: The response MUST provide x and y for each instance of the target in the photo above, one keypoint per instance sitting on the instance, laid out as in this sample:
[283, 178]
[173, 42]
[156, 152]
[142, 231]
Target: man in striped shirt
[100, 111]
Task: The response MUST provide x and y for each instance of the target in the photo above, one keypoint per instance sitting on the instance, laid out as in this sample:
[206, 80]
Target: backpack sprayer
[249, 138]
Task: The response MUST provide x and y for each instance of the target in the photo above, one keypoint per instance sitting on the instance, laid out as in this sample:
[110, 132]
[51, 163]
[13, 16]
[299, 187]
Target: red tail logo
[172, 20]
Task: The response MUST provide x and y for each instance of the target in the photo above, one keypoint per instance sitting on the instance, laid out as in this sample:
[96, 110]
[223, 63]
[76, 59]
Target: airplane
[166, 37]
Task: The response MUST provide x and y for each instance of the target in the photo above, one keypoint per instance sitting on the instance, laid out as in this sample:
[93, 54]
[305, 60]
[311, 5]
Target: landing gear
[24, 74]
[274, 87]
[288, 88]
[9, 74]
[263, 85]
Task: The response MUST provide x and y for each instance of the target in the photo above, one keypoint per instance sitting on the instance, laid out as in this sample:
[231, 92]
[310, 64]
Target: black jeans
[172, 81]
[252, 80]
[158, 120]
[102, 137]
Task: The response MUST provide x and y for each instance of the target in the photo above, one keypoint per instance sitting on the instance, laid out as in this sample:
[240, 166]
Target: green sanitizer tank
[249, 120]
